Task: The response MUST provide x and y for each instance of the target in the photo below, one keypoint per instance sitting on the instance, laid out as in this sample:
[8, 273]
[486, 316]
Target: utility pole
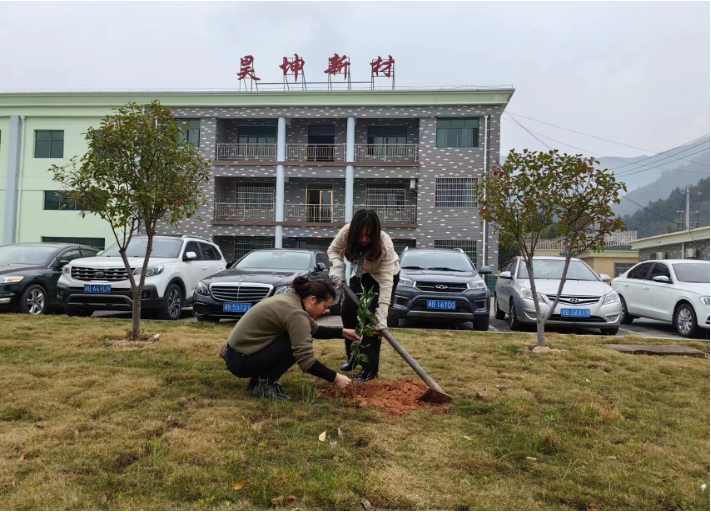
[688, 195]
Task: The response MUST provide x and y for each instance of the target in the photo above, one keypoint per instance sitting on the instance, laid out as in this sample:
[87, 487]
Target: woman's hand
[350, 334]
[342, 381]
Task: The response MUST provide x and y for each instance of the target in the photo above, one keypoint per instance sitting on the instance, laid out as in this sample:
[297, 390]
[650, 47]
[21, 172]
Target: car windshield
[162, 248]
[692, 272]
[275, 260]
[25, 255]
[436, 260]
[553, 269]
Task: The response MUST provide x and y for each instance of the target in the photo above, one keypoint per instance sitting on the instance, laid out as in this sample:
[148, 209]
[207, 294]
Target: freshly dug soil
[395, 397]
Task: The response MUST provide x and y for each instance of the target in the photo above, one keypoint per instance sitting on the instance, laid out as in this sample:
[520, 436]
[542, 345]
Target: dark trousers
[269, 363]
[370, 346]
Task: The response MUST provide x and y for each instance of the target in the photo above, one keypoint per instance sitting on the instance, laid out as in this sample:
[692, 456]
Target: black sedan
[29, 274]
[260, 274]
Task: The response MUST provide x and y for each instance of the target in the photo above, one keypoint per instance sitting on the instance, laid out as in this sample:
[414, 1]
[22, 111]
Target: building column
[14, 163]
[350, 170]
[279, 207]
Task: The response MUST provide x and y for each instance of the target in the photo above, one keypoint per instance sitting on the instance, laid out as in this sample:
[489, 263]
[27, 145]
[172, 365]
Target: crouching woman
[278, 332]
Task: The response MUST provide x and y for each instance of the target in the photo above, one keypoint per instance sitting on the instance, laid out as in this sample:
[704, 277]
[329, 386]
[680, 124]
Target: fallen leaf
[340, 432]
[703, 487]
[533, 459]
[282, 500]
[612, 457]
[239, 486]
[103, 499]
[584, 463]
[333, 444]
[76, 432]
[366, 504]
[591, 506]
[468, 438]
[478, 396]
[322, 437]
[22, 456]
[31, 489]
[455, 378]
[169, 418]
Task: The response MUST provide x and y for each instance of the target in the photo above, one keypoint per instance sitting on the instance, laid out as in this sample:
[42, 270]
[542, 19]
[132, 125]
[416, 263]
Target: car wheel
[80, 312]
[498, 314]
[685, 321]
[172, 303]
[626, 317]
[481, 325]
[393, 321]
[609, 332]
[514, 324]
[206, 318]
[34, 301]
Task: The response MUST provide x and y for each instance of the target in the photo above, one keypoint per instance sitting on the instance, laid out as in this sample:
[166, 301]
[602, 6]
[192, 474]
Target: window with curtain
[458, 133]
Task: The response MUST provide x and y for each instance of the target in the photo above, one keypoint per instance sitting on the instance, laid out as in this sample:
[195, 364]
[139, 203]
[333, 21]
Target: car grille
[576, 300]
[449, 287]
[233, 293]
[105, 274]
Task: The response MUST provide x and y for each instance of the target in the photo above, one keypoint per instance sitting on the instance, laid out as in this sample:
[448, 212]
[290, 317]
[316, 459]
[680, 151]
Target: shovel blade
[435, 397]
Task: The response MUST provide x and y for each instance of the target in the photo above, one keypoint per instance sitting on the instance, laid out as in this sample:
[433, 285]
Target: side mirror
[190, 256]
[62, 263]
[505, 275]
[320, 267]
[605, 278]
[661, 279]
[485, 270]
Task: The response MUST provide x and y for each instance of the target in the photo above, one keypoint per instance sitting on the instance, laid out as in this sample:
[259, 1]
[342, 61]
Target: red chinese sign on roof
[246, 68]
[337, 64]
[293, 66]
[384, 67]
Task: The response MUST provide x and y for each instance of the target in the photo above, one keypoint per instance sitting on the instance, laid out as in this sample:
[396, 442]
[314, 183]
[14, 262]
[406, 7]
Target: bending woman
[375, 266]
[278, 332]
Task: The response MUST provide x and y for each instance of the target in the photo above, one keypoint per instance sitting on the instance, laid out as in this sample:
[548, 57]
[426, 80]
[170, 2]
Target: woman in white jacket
[374, 265]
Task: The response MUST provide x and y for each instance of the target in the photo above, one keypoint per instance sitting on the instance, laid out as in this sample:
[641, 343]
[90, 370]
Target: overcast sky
[636, 73]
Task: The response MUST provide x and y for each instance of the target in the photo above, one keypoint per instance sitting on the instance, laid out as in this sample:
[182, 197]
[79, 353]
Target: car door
[54, 272]
[211, 259]
[323, 259]
[633, 288]
[196, 269]
[503, 286]
[658, 296]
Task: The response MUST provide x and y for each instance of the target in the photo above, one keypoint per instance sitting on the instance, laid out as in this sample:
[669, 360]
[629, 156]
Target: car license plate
[97, 288]
[441, 304]
[236, 307]
[575, 313]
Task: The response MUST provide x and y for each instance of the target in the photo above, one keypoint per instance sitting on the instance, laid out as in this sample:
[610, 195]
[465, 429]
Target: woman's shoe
[365, 376]
[348, 366]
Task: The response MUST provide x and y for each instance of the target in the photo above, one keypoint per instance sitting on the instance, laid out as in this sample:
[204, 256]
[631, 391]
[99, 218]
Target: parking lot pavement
[640, 327]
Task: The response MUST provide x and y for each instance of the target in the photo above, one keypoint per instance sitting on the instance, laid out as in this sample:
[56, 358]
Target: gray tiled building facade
[423, 188]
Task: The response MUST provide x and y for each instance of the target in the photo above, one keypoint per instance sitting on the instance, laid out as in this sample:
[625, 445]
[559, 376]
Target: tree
[536, 193]
[139, 170]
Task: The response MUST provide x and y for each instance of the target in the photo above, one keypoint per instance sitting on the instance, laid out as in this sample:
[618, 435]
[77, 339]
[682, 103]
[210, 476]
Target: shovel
[434, 394]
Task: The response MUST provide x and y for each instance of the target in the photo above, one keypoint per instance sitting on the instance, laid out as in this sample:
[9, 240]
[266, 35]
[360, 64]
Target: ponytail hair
[319, 288]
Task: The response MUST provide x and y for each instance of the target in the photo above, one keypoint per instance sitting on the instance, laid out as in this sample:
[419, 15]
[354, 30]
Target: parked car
[29, 274]
[586, 300]
[260, 274]
[675, 291]
[175, 267]
[440, 285]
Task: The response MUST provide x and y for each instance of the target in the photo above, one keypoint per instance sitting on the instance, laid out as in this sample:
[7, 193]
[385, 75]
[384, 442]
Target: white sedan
[674, 291]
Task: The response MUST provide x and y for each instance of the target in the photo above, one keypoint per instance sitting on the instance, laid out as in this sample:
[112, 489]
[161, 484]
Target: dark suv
[440, 285]
[260, 274]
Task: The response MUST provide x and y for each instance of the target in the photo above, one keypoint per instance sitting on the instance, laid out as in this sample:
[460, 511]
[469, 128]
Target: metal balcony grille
[256, 193]
[386, 152]
[456, 192]
[232, 211]
[316, 152]
[404, 213]
[104, 274]
[246, 245]
[468, 246]
[239, 293]
[314, 213]
[247, 152]
[386, 195]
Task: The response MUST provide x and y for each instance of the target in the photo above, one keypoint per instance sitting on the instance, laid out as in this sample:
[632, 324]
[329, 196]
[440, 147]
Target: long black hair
[319, 288]
[364, 219]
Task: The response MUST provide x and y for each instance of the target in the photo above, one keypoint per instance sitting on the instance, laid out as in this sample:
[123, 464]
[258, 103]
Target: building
[690, 244]
[289, 168]
[620, 238]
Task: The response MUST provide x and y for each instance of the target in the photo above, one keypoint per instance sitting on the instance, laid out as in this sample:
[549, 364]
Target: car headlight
[202, 289]
[11, 279]
[476, 285]
[610, 298]
[705, 300]
[66, 269]
[526, 293]
[281, 289]
[150, 271]
[408, 283]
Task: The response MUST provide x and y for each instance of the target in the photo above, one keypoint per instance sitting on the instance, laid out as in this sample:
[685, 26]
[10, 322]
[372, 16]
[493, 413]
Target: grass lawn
[87, 426]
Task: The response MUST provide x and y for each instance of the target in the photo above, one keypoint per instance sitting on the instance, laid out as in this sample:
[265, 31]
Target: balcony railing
[386, 152]
[266, 152]
[234, 211]
[314, 213]
[387, 213]
[316, 152]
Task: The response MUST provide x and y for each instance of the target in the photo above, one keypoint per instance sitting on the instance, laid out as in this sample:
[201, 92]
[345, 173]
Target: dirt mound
[395, 397]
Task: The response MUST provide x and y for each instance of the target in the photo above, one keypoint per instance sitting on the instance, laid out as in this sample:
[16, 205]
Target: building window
[385, 195]
[457, 133]
[621, 268]
[456, 192]
[99, 243]
[245, 245]
[59, 200]
[257, 134]
[387, 135]
[468, 246]
[192, 127]
[49, 144]
[256, 193]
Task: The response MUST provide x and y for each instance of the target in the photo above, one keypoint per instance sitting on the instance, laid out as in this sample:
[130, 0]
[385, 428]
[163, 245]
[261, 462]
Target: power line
[586, 134]
[529, 131]
[645, 208]
[686, 148]
[642, 170]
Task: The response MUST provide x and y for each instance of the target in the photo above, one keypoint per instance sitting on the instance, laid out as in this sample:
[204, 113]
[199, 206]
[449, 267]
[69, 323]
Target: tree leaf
[239, 486]
[366, 504]
[322, 436]
[283, 500]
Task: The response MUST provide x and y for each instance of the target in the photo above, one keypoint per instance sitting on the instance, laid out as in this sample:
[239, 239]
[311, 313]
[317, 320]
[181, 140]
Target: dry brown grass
[84, 425]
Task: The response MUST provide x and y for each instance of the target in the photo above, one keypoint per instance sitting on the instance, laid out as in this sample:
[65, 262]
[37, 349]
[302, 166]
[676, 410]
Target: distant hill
[650, 221]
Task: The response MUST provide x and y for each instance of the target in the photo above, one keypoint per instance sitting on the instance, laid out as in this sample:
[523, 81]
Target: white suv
[176, 266]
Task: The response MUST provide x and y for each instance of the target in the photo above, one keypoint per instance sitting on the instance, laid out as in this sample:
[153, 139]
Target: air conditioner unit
[690, 254]
[660, 256]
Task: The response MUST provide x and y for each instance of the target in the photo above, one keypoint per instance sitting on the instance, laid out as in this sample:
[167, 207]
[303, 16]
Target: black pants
[349, 317]
[269, 363]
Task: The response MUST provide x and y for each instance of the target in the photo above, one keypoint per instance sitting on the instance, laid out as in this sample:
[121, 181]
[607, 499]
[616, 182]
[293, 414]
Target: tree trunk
[540, 323]
[136, 319]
